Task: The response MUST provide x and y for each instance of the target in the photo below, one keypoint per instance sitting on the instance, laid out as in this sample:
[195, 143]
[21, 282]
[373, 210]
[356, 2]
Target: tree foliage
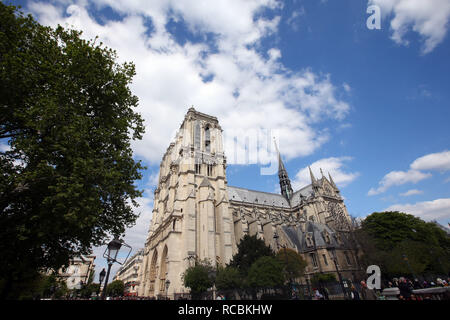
[228, 278]
[199, 278]
[266, 271]
[250, 249]
[293, 263]
[322, 278]
[115, 288]
[402, 244]
[67, 177]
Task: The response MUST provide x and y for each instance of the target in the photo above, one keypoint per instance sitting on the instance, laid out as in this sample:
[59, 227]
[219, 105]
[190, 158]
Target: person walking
[354, 293]
[405, 289]
[366, 293]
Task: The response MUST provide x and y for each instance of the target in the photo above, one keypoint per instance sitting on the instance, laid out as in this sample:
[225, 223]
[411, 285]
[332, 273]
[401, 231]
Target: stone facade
[197, 215]
[129, 273]
[77, 272]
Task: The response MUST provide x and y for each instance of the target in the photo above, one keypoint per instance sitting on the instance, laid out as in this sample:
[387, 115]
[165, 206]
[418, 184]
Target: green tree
[266, 271]
[250, 249]
[67, 181]
[199, 278]
[322, 278]
[228, 278]
[115, 288]
[387, 238]
[293, 263]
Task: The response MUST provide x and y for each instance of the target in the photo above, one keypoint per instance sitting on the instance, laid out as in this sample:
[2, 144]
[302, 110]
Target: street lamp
[212, 276]
[110, 254]
[101, 277]
[409, 266]
[334, 257]
[167, 287]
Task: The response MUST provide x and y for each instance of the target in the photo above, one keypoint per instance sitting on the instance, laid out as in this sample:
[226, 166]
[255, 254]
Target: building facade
[129, 273]
[77, 272]
[197, 215]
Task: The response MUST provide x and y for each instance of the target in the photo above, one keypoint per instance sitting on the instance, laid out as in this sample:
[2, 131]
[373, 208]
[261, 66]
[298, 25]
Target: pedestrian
[366, 293]
[317, 295]
[354, 293]
[417, 284]
[405, 290]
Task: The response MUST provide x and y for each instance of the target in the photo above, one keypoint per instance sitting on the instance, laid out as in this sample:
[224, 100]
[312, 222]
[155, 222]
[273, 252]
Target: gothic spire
[331, 181]
[285, 183]
[313, 179]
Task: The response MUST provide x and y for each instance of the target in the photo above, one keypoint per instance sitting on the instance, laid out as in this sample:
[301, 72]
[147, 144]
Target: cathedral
[197, 215]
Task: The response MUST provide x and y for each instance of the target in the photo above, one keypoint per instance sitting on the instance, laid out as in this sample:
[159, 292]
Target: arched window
[197, 136]
[163, 270]
[153, 271]
[207, 140]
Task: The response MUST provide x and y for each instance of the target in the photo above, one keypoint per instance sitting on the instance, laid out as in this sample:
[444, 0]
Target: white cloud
[334, 166]
[248, 88]
[135, 237]
[434, 161]
[438, 209]
[429, 18]
[293, 20]
[411, 192]
[396, 178]
[4, 147]
[347, 87]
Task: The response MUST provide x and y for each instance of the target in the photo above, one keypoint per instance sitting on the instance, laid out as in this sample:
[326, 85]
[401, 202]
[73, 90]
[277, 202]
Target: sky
[370, 106]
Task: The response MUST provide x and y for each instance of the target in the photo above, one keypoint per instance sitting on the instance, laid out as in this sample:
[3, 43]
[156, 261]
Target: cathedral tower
[190, 219]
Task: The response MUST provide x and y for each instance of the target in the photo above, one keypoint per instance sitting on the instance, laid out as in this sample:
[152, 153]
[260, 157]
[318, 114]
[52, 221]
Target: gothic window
[327, 237]
[325, 259]
[314, 260]
[309, 240]
[207, 140]
[197, 136]
[198, 167]
[338, 214]
[347, 258]
[210, 170]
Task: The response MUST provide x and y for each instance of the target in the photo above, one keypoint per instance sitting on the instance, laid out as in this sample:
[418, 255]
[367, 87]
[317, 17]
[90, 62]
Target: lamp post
[167, 287]
[110, 254]
[409, 266]
[334, 257]
[101, 277]
[212, 276]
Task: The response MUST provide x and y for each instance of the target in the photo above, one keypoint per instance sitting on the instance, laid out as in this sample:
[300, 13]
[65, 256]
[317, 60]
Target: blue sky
[369, 106]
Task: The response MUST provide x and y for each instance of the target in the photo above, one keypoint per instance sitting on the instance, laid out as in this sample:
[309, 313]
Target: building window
[197, 136]
[309, 240]
[210, 170]
[198, 167]
[325, 259]
[347, 258]
[314, 260]
[207, 140]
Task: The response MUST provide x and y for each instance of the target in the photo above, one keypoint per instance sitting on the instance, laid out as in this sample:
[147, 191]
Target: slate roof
[298, 238]
[267, 198]
[256, 197]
